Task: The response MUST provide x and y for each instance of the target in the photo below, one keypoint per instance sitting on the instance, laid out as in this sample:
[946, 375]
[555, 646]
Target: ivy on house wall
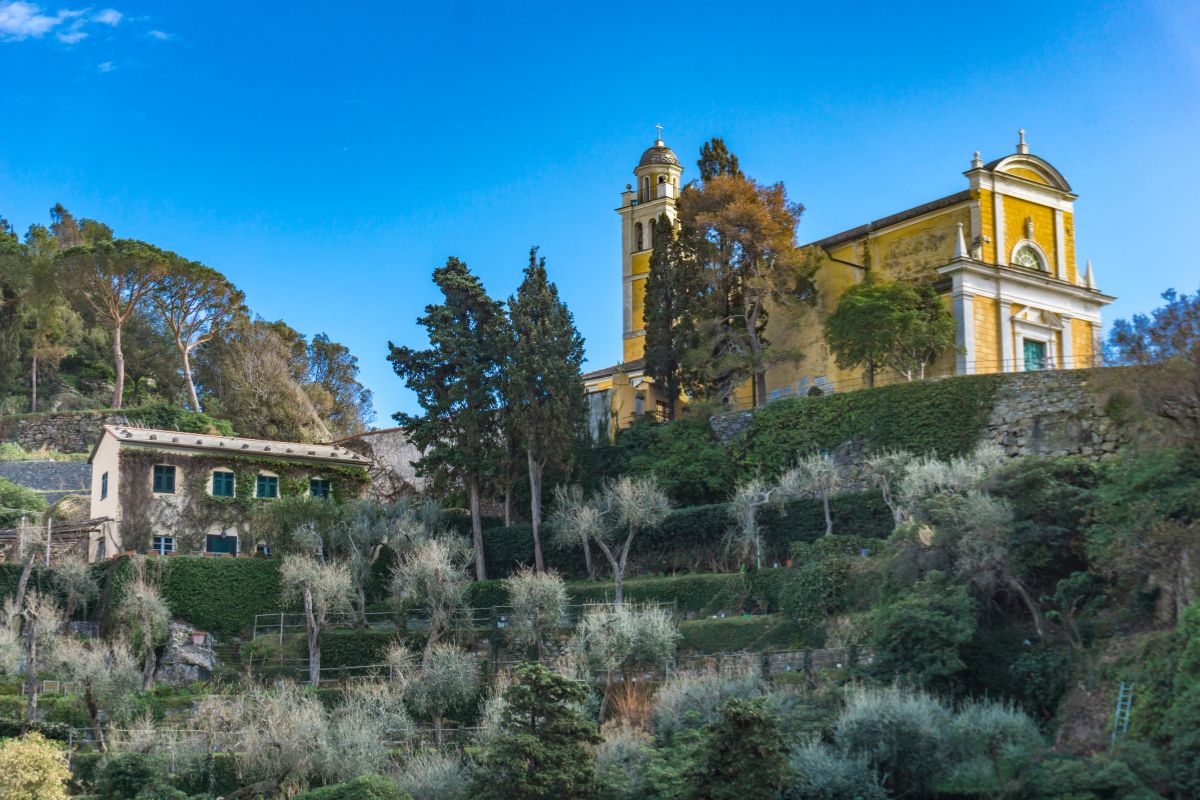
[193, 512]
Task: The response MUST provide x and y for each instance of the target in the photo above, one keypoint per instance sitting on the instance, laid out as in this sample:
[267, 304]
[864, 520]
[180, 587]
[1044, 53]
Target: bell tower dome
[643, 203]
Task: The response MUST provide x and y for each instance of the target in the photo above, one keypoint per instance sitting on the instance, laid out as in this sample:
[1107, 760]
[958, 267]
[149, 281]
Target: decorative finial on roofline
[658, 139]
[1022, 147]
[960, 246]
[976, 161]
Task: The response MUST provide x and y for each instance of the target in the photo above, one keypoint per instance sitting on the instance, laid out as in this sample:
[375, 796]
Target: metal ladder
[1121, 717]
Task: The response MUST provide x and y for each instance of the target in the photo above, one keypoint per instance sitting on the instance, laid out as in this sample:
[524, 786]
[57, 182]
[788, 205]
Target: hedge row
[692, 538]
[219, 595]
[731, 634]
[946, 416]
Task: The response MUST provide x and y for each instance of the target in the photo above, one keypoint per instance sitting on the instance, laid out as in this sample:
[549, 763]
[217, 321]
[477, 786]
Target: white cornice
[1025, 278]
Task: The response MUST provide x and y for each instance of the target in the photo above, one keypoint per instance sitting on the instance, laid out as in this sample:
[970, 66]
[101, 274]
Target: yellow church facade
[1000, 252]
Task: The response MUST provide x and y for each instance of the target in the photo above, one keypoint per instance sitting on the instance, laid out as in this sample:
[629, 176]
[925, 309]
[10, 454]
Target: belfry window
[1028, 257]
[639, 239]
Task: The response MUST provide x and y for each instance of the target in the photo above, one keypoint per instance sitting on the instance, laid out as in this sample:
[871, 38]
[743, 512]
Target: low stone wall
[66, 431]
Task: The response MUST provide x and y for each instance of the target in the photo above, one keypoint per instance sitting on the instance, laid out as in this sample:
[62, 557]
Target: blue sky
[327, 157]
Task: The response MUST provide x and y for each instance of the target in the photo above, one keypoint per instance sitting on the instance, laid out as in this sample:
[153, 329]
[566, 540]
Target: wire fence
[475, 619]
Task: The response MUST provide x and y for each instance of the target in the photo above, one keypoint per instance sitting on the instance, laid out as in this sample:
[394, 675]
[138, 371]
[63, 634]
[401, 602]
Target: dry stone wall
[66, 432]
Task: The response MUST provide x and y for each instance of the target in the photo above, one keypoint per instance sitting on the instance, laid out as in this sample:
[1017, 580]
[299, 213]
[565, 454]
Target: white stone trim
[998, 219]
[1035, 333]
[964, 332]
[1007, 362]
[1068, 345]
[1060, 245]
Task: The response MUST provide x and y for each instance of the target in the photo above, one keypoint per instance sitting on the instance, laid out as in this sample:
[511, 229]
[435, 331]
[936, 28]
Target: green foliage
[686, 459]
[542, 750]
[354, 648]
[946, 417]
[170, 417]
[918, 636]
[732, 634]
[902, 735]
[364, 787]
[125, 775]
[220, 595]
[819, 584]
[17, 502]
[743, 756]
[822, 774]
[1101, 777]
[892, 324]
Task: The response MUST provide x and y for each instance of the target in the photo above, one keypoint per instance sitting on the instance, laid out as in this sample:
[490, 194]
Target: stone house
[165, 492]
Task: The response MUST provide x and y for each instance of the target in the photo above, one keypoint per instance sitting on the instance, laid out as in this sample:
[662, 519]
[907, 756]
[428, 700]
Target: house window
[104, 486]
[267, 487]
[221, 544]
[319, 487]
[164, 545]
[222, 484]
[164, 479]
[263, 550]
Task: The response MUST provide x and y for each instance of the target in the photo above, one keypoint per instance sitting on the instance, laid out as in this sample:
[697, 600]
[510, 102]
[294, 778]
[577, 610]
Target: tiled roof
[152, 437]
[630, 366]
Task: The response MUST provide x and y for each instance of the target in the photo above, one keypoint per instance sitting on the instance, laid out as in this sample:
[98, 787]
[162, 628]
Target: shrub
[435, 775]
[822, 774]
[364, 787]
[919, 635]
[124, 775]
[902, 735]
[354, 648]
[743, 756]
[734, 634]
[172, 417]
[690, 465]
[17, 502]
[32, 768]
[688, 702]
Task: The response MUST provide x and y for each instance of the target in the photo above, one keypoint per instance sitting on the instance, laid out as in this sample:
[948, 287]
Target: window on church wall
[645, 189]
[651, 242]
[637, 237]
[1028, 257]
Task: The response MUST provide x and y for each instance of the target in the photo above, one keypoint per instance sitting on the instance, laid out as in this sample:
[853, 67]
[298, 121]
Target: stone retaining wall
[66, 431]
[54, 480]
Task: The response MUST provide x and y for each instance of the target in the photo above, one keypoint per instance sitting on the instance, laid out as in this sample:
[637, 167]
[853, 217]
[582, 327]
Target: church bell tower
[655, 193]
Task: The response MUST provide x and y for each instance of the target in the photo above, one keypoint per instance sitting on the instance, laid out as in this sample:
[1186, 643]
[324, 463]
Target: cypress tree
[543, 386]
[457, 383]
[673, 291]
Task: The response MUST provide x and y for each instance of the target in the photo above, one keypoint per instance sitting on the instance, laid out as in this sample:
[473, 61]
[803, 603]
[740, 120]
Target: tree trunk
[314, 640]
[33, 385]
[437, 731]
[93, 710]
[477, 531]
[31, 669]
[616, 568]
[1034, 611]
[607, 691]
[536, 470]
[191, 383]
[149, 661]
[22, 586]
[508, 501]
[119, 366]
[587, 559]
[828, 516]
[362, 605]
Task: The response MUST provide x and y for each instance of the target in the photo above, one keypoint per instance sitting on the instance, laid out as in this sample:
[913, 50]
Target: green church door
[1035, 355]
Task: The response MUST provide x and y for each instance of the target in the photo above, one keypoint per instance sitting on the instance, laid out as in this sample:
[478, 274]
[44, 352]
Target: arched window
[646, 189]
[652, 224]
[637, 237]
[1027, 257]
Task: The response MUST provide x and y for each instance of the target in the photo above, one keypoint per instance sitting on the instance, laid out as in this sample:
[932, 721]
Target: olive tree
[74, 582]
[368, 720]
[745, 535]
[819, 476]
[886, 471]
[41, 623]
[325, 588]
[539, 606]
[432, 576]
[612, 641]
[145, 611]
[624, 507]
[107, 672]
[447, 676]
[571, 522]
[283, 732]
